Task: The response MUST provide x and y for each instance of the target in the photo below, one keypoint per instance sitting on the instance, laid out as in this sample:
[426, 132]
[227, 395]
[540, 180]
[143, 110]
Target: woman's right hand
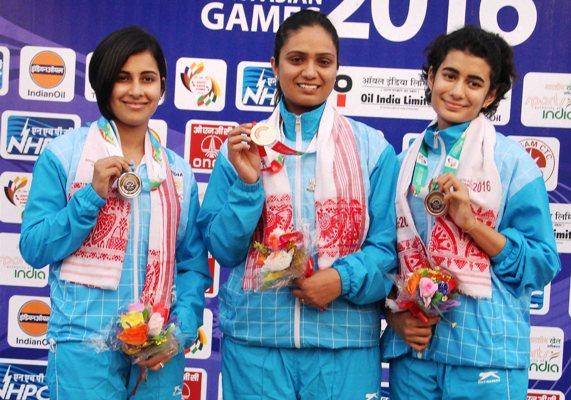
[105, 171]
[413, 331]
[243, 153]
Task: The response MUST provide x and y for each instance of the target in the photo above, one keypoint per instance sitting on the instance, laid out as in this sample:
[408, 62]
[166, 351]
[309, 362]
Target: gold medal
[435, 204]
[264, 134]
[129, 185]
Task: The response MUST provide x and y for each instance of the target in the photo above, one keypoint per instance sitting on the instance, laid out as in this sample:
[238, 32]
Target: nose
[457, 89]
[135, 89]
[310, 71]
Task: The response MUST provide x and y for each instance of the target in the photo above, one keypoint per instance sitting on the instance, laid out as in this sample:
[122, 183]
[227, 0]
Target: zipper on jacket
[298, 194]
[438, 142]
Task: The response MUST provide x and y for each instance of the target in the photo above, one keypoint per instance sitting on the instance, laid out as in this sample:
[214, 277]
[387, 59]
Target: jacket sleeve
[192, 275]
[52, 227]
[529, 260]
[365, 274]
[230, 213]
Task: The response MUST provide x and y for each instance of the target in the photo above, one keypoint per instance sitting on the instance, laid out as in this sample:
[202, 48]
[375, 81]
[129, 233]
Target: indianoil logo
[47, 69]
[33, 317]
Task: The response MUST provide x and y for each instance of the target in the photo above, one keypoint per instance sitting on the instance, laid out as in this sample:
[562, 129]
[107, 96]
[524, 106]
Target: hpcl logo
[343, 85]
[47, 69]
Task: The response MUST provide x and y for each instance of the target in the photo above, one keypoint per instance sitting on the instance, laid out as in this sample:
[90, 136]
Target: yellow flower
[132, 319]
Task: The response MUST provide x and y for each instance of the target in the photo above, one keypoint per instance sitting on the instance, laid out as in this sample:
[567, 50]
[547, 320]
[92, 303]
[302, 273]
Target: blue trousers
[250, 372]
[76, 371]
[412, 378]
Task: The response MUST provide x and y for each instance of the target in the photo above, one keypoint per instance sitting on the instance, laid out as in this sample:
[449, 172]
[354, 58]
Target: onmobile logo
[47, 69]
[256, 86]
[488, 377]
[24, 135]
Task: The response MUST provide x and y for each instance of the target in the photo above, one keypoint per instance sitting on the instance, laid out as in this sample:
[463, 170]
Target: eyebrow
[454, 70]
[142, 72]
[304, 52]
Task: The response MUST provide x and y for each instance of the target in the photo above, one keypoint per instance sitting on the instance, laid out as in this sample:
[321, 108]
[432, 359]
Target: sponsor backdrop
[218, 65]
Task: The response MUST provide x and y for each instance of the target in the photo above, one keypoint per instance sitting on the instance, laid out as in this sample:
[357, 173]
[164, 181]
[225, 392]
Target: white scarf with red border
[449, 247]
[341, 209]
[99, 260]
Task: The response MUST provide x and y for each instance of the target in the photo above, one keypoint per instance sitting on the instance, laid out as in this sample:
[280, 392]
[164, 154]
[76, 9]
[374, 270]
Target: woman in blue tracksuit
[106, 251]
[496, 235]
[319, 338]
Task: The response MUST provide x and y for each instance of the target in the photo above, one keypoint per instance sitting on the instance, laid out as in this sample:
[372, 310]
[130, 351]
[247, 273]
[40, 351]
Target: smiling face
[460, 88]
[136, 92]
[306, 69]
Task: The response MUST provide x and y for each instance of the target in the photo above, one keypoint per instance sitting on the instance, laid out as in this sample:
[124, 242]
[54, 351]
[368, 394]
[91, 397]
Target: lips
[308, 86]
[453, 106]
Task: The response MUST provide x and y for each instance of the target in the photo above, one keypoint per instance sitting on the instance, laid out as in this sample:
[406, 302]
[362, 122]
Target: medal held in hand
[435, 204]
[263, 134]
[129, 184]
[266, 135]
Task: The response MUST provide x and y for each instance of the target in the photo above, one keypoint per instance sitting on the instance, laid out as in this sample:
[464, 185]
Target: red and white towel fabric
[341, 211]
[99, 260]
[449, 247]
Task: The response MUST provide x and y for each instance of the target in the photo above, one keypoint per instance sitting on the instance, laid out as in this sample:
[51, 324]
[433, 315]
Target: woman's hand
[159, 360]
[243, 154]
[413, 331]
[319, 289]
[105, 172]
[458, 199]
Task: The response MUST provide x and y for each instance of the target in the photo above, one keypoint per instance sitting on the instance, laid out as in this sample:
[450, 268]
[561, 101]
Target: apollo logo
[33, 317]
[47, 69]
[488, 377]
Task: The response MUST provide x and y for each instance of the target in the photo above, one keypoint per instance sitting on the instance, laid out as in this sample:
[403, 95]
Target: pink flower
[136, 307]
[155, 324]
[427, 289]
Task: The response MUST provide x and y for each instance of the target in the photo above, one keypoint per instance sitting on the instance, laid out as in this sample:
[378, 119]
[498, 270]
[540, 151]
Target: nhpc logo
[256, 86]
[24, 135]
[47, 69]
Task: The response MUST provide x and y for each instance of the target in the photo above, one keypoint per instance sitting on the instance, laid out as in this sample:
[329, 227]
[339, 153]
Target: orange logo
[33, 317]
[47, 69]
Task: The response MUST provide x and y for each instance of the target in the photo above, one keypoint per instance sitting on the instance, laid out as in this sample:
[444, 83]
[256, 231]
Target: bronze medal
[129, 185]
[263, 134]
[435, 204]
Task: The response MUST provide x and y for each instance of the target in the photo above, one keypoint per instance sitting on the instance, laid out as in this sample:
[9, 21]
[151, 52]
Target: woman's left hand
[458, 199]
[319, 289]
[159, 360]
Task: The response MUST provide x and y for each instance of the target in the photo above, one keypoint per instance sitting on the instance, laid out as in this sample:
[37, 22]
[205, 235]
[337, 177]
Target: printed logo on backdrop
[15, 187]
[200, 84]
[194, 385]
[23, 382]
[201, 348]
[255, 86]
[545, 153]
[214, 267]
[538, 394]
[4, 70]
[14, 271]
[561, 219]
[47, 73]
[546, 355]
[28, 321]
[381, 92]
[202, 142]
[546, 100]
[24, 135]
[540, 300]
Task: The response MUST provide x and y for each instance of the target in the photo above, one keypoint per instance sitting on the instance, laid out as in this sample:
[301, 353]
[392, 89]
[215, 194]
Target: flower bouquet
[142, 332]
[283, 258]
[425, 293]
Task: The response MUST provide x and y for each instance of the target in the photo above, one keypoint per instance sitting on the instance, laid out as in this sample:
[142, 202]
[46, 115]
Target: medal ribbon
[418, 186]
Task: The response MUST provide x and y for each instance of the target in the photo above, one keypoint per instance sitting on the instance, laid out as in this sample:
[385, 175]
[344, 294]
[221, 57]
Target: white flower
[278, 261]
[155, 324]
